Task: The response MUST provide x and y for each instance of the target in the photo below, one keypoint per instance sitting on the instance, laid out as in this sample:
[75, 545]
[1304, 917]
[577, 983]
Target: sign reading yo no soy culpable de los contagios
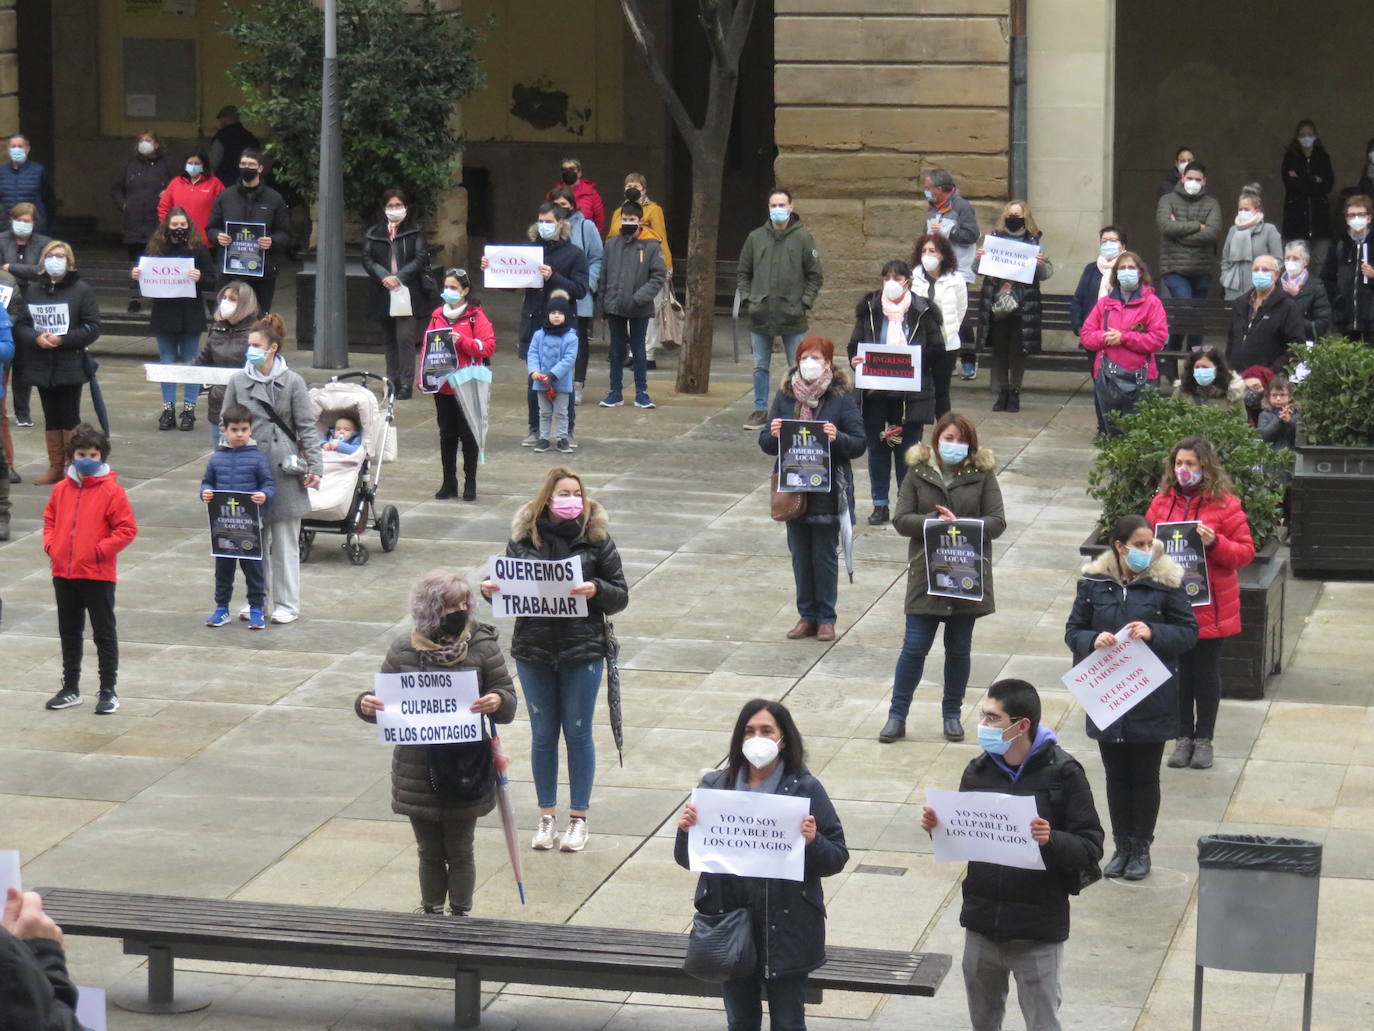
[803, 457]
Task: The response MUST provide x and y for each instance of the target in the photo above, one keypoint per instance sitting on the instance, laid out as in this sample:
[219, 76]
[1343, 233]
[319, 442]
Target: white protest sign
[1009, 259]
[9, 872]
[888, 367]
[427, 708]
[6, 292]
[90, 1008]
[749, 834]
[984, 827]
[166, 277]
[51, 318]
[1112, 681]
[156, 372]
[513, 267]
[537, 587]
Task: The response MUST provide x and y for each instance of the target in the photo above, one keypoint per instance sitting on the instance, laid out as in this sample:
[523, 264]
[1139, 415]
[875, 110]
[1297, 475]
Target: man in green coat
[1189, 222]
[780, 276]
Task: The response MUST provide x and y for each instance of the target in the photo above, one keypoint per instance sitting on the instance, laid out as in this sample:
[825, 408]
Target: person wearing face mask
[560, 661]
[951, 216]
[953, 478]
[226, 342]
[1125, 330]
[1256, 379]
[1009, 313]
[935, 276]
[1135, 588]
[767, 755]
[1265, 320]
[193, 189]
[231, 139]
[1016, 921]
[1308, 291]
[652, 226]
[1182, 158]
[1194, 485]
[60, 319]
[252, 200]
[20, 247]
[284, 427]
[818, 389]
[1206, 379]
[1349, 273]
[635, 274]
[25, 181]
[584, 190]
[135, 193]
[1249, 237]
[898, 316]
[1189, 223]
[586, 239]
[474, 340]
[444, 789]
[396, 256]
[780, 276]
[178, 322]
[1307, 182]
[1095, 280]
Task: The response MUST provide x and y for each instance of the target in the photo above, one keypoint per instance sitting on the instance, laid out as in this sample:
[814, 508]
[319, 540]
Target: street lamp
[331, 302]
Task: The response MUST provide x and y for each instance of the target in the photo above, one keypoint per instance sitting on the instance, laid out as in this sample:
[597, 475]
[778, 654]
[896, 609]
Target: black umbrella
[90, 366]
[613, 690]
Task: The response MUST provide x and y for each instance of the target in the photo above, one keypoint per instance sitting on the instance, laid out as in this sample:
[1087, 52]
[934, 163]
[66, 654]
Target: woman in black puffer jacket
[1009, 313]
[560, 660]
[445, 788]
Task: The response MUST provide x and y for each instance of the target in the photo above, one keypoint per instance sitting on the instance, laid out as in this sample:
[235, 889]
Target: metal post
[467, 998]
[1197, 998]
[331, 315]
[1307, 1002]
[1020, 116]
[161, 975]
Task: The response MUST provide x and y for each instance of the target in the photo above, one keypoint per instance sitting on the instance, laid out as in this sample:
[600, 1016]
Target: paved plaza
[237, 769]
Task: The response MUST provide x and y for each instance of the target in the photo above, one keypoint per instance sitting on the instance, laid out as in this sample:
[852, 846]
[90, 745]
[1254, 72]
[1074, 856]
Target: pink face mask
[568, 507]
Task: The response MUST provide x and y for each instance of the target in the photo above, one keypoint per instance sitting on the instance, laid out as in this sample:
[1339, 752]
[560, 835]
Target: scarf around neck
[559, 535]
[808, 395]
[443, 649]
[895, 312]
[1291, 285]
[452, 314]
[1105, 266]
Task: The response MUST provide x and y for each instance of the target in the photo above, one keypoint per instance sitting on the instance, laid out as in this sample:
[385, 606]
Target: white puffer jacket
[950, 298]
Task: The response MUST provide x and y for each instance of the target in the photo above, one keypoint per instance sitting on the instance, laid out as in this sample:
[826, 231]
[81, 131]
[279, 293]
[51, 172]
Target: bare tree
[726, 23]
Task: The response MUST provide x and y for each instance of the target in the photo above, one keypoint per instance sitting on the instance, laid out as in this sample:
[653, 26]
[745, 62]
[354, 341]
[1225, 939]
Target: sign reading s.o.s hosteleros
[537, 587]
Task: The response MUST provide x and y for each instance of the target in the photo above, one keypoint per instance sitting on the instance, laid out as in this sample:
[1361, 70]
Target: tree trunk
[703, 234]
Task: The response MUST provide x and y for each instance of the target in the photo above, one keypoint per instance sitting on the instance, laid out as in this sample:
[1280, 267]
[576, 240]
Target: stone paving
[236, 769]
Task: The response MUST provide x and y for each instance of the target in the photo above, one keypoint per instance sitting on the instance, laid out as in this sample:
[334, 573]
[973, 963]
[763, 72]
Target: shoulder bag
[721, 946]
[296, 464]
[784, 506]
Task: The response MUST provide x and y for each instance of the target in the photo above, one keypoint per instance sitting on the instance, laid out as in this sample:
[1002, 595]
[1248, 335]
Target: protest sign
[243, 256]
[213, 375]
[438, 358]
[513, 268]
[889, 367]
[1009, 259]
[803, 457]
[537, 587]
[954, 558]
[432, 707]
[51, 318]
[984, 827]
[235, 526]
[1183, 544]
[166, 277]
[1111, 682]
[749, 834]
[6, 292]
[9, 871]
[90, 1008]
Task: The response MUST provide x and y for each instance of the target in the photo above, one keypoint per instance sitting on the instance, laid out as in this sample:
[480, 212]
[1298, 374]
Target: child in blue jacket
[239, 466]
[552, 355]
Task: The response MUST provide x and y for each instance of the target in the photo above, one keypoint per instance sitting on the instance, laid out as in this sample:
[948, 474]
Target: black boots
[1130, 861]
[1000, 405]
[892, 730]
[1008, 400]
[1116, 866]
[448, 465]
[469, 484]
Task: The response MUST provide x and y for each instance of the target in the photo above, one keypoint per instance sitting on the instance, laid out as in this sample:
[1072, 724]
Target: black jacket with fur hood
[567, 642]
[1106, 602]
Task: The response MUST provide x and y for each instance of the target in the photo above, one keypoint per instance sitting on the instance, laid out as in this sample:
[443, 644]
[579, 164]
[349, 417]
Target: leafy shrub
[1336, 397]
[1128, 467]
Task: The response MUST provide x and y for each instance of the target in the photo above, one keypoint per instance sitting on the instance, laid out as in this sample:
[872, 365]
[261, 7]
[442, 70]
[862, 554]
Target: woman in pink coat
[1125, 330]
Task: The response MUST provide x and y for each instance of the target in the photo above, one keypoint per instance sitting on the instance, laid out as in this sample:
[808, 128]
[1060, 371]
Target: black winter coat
[1352, 295]
[632, 274]
[136, 193]
[63, 365]
[1007, 903]
[22, 254]
[36, 993]
[1307, 183]
[412, 266]
[1029, 317]
[1315, 307]
[568, 642]
[922, 328]
[570, 273]
[260, 204]
[1156, 598]
[1263, 337]
[185, 315]
[837, 406]
[225, 346]
[788, 916]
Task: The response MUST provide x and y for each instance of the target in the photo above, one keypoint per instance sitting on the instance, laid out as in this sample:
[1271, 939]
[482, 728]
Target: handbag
[1007, 301]
[297, 464]
[784, 506]
[462, 774]
[672, 317]
[721, 946]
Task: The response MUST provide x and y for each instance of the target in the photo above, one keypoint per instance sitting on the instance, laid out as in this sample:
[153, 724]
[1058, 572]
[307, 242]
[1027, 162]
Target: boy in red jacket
[87, 523]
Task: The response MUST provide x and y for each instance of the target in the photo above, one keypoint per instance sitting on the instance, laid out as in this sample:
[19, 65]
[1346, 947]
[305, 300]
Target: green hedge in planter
[1127, 469]
[1335, 398]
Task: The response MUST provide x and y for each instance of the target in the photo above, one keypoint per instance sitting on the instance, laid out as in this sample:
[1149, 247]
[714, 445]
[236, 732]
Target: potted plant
[1333, 480]
[1126, 473]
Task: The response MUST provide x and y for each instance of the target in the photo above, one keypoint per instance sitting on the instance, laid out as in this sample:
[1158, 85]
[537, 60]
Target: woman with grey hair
[1308, 291]
[445, 788]
[1246, 240]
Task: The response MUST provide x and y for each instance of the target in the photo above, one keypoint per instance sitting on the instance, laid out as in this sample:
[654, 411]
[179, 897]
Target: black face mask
[1015, 223]
[569, 176]
[247, 175]
[1253, 399]
[629, 232]
[632, 193]
[178, 235]
[454, 623]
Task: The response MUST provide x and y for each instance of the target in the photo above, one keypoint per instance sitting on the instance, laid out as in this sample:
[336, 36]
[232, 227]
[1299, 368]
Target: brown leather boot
[825, 632]
[804, 628]
[57, 456]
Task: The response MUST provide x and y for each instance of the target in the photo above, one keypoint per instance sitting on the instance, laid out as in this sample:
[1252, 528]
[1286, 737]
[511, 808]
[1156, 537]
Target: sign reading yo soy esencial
[748, 833]
[430, 707]
[1183, 544]
[954, 558]
[537, 587]
[803, 457]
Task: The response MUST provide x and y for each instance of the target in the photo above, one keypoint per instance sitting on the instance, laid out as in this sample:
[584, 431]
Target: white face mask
[1182, 167]
[1293, 267]
[931, 263]
[1192, 187]
[893, 290]
[760, 751]
[395, 214]
[227, 308]
[811, 369]
[145, 147]
[1358, 223]
[1244, 218]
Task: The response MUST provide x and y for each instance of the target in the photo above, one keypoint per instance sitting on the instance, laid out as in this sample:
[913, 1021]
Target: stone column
[449, 224]
[9, 67]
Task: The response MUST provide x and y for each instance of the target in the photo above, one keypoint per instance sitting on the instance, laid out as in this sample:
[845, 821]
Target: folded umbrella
[472, 387]
[507, 809]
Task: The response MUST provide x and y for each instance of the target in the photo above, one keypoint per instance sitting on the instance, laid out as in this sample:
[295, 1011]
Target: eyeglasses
[989, 719]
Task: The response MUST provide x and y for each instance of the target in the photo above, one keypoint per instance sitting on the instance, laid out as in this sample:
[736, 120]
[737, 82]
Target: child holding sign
[238, 465]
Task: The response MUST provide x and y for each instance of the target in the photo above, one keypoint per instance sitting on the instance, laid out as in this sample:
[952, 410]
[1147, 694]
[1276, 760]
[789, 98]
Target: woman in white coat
[935, 276]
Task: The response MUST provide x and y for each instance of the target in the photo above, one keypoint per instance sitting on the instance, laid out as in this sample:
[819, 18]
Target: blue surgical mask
[547, 229]
[779, 215]
[87, 466]
[930, 196]
[255, 355]
[18, 155]
[1128, 278]
[55, 266]
[194, 170]
[1262, 280]
[451, 297]
[1110, 249]
[952, 453]
[1204, 376]
[1138, 561]
[990, 740]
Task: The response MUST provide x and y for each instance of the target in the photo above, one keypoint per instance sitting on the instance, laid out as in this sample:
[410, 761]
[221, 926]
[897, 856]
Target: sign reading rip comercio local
[537, 587]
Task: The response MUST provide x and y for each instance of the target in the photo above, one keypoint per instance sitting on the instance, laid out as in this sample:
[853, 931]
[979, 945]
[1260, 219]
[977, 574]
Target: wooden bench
[468, 950]
[1195, 316]
[109, 278]
[725, 297]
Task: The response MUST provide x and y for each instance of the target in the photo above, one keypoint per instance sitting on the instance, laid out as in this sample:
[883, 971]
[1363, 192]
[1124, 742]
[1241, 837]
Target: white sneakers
[574, 839]
[279, 615]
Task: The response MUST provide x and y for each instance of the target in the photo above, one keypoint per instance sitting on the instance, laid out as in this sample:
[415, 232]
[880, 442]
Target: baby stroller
[345, 501]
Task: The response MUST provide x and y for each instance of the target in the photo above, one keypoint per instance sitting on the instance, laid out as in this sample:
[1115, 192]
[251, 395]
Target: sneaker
[256, 622]
[611, 401]
[575, 837]
[572, 443]
[220, 617]
[64, 699]
[243, 614]
[968, 369]
[756, 420]
[279, 615]
[564, 448]
[23, 420]
[107, 703]
[168, 419]
[541, 447]
[544, 835]
[430, 911]
[530, 440]
[643, 401]
[188, 418]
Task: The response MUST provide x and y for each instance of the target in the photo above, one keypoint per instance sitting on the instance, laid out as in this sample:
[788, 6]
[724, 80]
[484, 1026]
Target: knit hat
[558, 301]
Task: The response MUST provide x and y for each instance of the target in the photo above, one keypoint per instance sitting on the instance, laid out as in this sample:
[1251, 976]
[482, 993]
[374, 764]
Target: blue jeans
[763, 360]
[920, 635]
[1180, 285]
[178, 349]
[561, 700]
[815, 568]
[883, 461]
[786, 1003]
[628, 334]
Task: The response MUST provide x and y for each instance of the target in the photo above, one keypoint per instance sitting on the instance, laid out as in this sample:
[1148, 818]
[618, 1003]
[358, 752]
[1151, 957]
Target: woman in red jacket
[474, 340]
[1196, 487]
[1125, 330]
[195, 190]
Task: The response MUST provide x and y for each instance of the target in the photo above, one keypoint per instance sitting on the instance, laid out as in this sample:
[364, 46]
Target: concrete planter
[1333, 512]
